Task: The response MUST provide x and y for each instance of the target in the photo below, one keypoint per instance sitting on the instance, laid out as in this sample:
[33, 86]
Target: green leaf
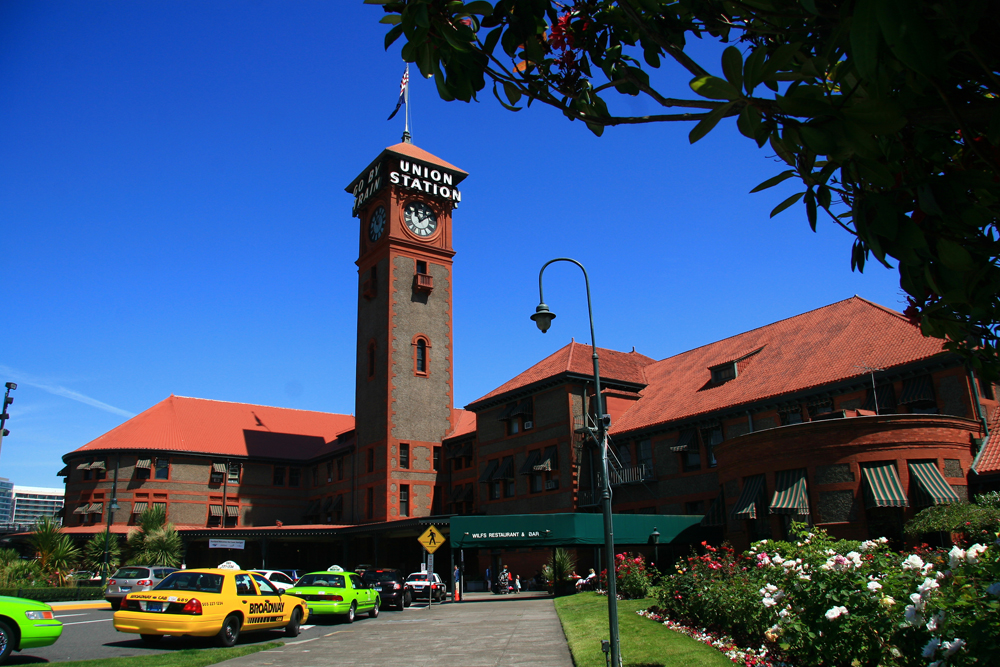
[506, 106]
[391, 19]
[782, 151]
[512, 92]
[732, 66]
[865, 38]
[953, 255]
[392, 36]
[876, 116]
[376, 2]
[706, 124]
[810, 201]
[479, 7]
[491, 40]
[785, 204]
[909, 36]
[752, 68]
[774, 180]
[714, 88]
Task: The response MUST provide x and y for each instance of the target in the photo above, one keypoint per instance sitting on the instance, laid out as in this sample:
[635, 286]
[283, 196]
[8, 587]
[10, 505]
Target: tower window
[421, 356]
[404, 455]
[404, 500]
[369, 288]
[421, 267]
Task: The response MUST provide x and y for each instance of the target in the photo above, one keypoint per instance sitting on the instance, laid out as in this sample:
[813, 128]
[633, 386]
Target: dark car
[130, 579]
[391, 585]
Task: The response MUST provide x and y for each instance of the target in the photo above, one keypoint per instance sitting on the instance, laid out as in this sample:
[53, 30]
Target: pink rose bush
[814, 600]
[633, 577]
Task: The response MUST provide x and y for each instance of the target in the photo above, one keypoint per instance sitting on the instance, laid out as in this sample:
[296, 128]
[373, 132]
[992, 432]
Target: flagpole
[406, 101]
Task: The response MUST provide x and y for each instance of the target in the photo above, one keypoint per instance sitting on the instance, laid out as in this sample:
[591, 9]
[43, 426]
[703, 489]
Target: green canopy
[565, 530]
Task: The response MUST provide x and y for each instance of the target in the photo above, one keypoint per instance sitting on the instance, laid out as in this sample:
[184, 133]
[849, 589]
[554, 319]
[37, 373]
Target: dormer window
[723, 373]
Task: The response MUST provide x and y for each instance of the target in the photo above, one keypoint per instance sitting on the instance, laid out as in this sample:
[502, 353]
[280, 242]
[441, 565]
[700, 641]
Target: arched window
[371, 359]
[421, 356]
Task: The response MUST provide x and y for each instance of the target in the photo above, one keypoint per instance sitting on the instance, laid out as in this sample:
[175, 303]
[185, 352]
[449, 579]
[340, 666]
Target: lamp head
[114, 505]
[655, 535]
[12, 385]
[543, 317]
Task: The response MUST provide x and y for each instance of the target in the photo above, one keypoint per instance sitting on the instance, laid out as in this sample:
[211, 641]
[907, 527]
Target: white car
[418, 582]
[278, 579]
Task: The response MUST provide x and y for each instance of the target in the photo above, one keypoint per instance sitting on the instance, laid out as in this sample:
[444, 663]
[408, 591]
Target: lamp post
[543, 318]
[7, 400]
[656, 547]
[107, 533]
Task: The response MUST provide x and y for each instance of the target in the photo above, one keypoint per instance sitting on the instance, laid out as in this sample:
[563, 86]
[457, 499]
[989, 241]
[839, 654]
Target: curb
[72, 606]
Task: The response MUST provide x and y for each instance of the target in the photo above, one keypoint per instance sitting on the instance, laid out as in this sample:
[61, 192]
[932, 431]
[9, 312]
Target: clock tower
[404, 389]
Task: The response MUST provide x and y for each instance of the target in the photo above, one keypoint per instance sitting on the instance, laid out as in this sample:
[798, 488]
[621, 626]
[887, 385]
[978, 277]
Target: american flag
[403, 83]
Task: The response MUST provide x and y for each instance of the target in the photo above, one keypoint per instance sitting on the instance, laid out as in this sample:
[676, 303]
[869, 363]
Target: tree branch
[677, 54]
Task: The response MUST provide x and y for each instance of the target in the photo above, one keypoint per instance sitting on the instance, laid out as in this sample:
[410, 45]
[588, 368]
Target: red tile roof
[816, 348]
[988, 460]
[180, 424]
[463, 423]
[576, 358]
[411, 151]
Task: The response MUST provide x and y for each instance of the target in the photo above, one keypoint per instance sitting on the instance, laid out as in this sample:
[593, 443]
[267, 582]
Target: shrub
[633, 580]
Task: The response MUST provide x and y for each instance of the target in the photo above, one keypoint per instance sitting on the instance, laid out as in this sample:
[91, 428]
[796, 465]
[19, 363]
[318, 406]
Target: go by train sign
[410, 174]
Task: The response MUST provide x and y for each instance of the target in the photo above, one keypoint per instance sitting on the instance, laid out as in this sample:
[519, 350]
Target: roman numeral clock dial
[377, 224]
[420, 218]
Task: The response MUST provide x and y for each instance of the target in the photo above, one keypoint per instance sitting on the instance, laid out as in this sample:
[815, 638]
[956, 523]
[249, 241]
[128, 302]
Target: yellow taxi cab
[213, 602]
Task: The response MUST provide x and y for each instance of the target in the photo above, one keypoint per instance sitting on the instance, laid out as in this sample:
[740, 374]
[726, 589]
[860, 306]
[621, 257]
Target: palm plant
[93, 553]
[55, 551]
[154, 542]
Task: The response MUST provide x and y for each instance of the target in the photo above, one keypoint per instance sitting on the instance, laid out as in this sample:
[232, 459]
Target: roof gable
[816, 348]
[202, 426]
[576, 358]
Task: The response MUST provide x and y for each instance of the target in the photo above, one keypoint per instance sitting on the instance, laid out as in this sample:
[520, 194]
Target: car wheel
[151, 639]
[116, 604]
[374, 611]
[229, 632]
[352, 612]
[6, 641]
[407, 600]
[295, 624]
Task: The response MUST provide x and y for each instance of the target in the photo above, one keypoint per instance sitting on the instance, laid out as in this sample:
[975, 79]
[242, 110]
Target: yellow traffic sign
[431, 539]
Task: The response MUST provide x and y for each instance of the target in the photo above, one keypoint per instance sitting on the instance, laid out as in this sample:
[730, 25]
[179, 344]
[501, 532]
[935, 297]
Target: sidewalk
[483, 630]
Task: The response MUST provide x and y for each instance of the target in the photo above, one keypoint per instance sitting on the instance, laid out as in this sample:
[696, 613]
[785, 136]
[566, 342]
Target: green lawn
[644, 643]
[194, 657]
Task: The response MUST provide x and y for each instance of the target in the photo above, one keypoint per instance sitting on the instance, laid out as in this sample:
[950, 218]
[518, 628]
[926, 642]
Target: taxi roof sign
[334, 568]
[432, 539]
[229, 565]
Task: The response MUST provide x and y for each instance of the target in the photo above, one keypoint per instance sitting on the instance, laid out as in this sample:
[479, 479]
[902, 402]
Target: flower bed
[726, 645]
[819, 601]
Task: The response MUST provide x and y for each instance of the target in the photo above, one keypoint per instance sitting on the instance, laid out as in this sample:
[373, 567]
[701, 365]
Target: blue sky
[173, 217]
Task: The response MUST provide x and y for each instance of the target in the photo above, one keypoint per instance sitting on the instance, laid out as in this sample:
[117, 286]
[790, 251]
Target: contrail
[65, 393]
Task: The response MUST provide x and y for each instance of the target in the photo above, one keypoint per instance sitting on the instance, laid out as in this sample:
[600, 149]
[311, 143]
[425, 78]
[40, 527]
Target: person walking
[456, 592]
[489, 584]
[517, 584]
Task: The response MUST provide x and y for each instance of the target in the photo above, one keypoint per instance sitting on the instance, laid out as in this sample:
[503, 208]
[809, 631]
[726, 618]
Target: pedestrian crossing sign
[431, 539]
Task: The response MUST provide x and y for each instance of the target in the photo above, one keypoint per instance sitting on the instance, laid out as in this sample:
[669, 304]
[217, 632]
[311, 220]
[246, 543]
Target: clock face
[377, 224]
[420, 218]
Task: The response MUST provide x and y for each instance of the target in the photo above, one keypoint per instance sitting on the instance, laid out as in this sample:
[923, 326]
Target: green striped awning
[219, 467]
[716, 515]
[686, 441]
[746, 506]
[139, 507]
[215, 510]
[96, 508]
[487, 475]
[82, 509]
[232, 510]
[882, 486]
[506, 469]
[790, 494]
[931, 487]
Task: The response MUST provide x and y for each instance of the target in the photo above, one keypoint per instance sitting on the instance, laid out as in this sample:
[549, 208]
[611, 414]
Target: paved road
[485, 630]
[88, 634]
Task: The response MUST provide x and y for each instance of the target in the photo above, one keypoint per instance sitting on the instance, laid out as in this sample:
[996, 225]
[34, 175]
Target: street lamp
[543, 318]
[107, 534]
[655, 535]
[7, 400]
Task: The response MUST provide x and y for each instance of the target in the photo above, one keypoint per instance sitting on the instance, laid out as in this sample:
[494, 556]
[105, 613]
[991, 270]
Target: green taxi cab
[26, 624]
[337, 593]
[212, 602]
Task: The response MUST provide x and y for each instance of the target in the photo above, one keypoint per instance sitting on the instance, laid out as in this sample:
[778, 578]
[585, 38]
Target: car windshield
[380, 576]
[321, 579]
[203, 582]
[132, 573]
[417, 577]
